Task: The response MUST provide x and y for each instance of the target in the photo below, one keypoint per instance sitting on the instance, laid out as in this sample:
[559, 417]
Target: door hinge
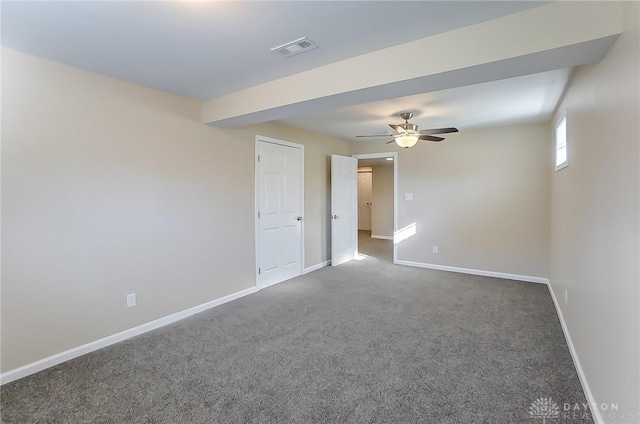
[258, 214]
[259, 271]
[258, 158]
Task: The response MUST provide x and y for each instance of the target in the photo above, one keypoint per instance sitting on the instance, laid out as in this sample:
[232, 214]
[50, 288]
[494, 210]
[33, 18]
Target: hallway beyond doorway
[376, 248]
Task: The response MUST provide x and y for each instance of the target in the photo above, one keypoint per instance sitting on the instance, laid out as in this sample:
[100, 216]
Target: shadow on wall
[327, 209]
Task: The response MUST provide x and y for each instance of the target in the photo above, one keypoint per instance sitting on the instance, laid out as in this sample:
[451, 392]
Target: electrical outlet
[566, 296]
[436, 249]
[131, 300]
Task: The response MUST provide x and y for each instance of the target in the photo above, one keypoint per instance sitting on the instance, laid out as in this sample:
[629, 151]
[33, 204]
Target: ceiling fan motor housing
[410, 127]
[406, 115]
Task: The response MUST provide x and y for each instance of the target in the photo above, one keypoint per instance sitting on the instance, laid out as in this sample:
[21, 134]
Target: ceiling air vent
[295, 47]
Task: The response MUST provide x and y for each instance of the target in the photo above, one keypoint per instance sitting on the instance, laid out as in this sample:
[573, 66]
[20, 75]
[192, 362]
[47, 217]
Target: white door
[364, 200]
[280, 185]
[344, 209]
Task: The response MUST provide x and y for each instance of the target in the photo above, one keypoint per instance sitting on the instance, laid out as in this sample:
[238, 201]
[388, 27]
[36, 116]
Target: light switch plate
[408, 196]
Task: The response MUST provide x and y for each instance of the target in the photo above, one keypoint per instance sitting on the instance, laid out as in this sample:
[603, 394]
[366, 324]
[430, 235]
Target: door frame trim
[393, 155]
[258, 140]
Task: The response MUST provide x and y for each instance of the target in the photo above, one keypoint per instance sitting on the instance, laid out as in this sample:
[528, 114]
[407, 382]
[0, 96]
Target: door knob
[299, 218]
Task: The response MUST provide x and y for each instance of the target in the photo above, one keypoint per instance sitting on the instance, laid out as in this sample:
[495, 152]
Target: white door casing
[344, 209]
[364, 200]
[280, 203]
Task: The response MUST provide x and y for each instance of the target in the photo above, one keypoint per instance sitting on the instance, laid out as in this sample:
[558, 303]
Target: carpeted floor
[377, 248]
[365, 342]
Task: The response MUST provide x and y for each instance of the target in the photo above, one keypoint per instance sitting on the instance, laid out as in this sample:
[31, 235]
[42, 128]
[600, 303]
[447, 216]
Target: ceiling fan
[408, 134]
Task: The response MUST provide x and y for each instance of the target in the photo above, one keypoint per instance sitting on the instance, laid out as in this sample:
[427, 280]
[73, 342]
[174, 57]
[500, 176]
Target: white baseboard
[375, 236]
[595, 411]
[317, 266]
[61, 357]
[518, 277]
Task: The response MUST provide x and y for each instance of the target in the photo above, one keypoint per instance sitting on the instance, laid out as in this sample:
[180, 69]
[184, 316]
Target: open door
[344, 209]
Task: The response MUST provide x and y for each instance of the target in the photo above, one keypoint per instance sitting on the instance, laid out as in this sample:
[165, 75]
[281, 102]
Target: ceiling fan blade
[430, 138]
[439, 130]
[391, 141]
[375, 135]
[397, 128]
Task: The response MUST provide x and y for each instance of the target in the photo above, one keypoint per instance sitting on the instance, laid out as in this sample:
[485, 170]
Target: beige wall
[595, 222]
[111, 188]
[382, 200]
[481, 196]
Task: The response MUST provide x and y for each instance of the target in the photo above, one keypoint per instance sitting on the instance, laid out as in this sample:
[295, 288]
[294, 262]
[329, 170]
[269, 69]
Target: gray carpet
[365, 342]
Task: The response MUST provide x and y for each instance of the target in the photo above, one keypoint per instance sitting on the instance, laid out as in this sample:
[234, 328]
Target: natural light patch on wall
[404, 233]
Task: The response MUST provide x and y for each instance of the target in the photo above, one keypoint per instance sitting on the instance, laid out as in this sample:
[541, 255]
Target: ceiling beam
[551, 36]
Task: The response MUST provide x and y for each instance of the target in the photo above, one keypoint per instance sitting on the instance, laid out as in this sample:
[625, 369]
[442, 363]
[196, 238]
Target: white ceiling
[374, 162]
[206, 49]
[530, 98]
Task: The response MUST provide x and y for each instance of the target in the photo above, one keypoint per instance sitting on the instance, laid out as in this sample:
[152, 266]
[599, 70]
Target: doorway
[279, 210]
[364, 198]
[377, 176]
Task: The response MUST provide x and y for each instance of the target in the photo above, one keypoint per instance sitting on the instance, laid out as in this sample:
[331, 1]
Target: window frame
[563, 120]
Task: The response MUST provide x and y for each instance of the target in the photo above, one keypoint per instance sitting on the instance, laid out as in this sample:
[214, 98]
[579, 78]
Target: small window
[561, 143]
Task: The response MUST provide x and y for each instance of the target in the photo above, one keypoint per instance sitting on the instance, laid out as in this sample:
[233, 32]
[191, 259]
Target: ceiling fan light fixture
[407, 135]
[406, 140]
